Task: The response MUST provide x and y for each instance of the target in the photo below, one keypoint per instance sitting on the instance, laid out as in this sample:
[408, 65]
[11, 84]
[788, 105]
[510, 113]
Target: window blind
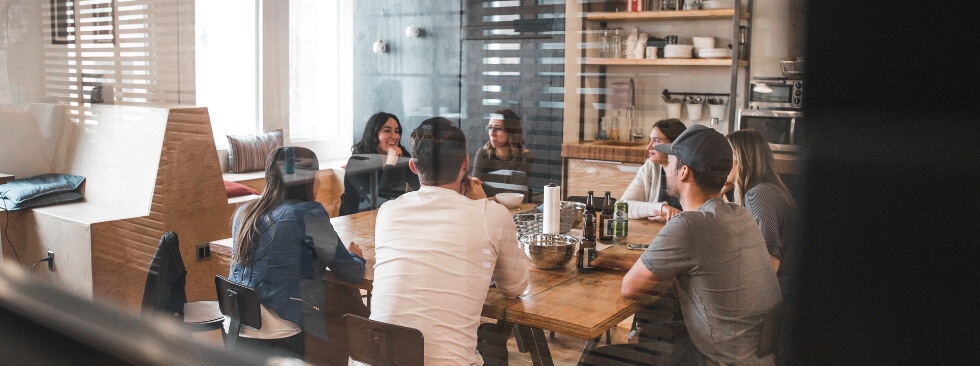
[515, 52]
[143, 50]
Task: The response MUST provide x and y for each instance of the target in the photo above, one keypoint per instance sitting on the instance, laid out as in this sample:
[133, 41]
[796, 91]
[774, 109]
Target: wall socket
[204, 252]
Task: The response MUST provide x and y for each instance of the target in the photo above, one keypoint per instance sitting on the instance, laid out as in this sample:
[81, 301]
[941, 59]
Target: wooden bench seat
[148, 171]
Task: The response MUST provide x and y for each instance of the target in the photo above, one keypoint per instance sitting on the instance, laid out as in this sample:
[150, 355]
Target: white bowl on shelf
[701, 43]
[510, 200]
[715, 53]
[717, 4]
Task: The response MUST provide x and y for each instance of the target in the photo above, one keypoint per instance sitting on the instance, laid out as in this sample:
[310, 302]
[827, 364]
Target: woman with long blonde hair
[759, 188]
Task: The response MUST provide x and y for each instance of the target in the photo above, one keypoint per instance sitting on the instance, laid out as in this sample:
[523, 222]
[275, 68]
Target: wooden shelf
[661, 62]
[666, 15]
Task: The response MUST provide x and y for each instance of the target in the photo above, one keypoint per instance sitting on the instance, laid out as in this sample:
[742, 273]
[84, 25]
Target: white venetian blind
[143, 50]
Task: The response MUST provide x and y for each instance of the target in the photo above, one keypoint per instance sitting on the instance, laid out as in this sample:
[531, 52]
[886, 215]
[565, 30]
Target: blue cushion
[41, 190]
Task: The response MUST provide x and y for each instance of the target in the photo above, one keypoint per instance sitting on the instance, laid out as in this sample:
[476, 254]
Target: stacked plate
[717, 4]
[715, 53]
[678, 51]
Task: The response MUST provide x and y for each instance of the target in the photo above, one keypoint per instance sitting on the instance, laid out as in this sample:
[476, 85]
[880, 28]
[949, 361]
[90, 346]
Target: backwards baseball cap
[703, 149]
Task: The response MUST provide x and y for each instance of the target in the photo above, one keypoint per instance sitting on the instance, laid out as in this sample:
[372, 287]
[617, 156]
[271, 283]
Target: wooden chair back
[383, 344]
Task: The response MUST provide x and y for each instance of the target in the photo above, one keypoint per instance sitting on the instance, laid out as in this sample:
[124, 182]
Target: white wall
[20, 53]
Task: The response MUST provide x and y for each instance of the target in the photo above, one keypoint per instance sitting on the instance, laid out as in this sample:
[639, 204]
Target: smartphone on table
[637, 246]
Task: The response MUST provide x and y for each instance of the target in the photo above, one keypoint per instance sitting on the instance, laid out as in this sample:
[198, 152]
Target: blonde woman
[759, 188]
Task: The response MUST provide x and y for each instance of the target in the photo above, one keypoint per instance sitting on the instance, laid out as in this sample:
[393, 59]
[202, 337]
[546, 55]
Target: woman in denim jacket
[282, 243]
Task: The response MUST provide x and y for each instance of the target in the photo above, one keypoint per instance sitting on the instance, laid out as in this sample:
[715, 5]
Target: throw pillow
[247, 153]
[41, 190]
[235, 189]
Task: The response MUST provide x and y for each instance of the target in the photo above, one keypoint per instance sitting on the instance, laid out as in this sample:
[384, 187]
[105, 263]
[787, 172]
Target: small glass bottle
[604, 45]
[617, 45]
[614, 127]
[602, 133]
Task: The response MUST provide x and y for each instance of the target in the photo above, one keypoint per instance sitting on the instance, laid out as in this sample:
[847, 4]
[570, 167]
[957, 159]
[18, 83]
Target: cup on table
[651, 52]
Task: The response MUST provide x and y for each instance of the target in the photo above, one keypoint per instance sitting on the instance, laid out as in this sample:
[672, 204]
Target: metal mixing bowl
[548, 251]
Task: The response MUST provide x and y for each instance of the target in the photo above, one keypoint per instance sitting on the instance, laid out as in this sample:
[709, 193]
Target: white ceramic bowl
[703, 42]
[717, 4]
[510, 200]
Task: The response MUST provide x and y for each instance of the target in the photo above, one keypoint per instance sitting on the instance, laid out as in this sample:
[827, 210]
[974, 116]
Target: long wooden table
[583, 305]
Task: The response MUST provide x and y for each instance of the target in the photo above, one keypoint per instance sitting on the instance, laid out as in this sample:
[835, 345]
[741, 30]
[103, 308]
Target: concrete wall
[416, 78]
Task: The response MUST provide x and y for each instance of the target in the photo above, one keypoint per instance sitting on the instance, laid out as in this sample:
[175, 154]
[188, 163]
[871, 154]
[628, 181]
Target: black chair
[383, 344]
[164, 290]
[633, 354]
[240, 304]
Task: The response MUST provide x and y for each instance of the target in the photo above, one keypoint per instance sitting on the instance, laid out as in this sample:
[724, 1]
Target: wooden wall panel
[189, 198]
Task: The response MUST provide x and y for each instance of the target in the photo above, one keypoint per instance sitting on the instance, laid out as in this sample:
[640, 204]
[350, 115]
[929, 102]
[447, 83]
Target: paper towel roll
[552, 209]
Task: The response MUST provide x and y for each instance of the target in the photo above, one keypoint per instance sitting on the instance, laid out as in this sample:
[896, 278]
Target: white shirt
[436, 252]
[643, 193]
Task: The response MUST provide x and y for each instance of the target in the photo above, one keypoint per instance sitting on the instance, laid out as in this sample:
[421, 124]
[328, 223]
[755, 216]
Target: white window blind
[319, 69]
[142, 50]
[227, 66]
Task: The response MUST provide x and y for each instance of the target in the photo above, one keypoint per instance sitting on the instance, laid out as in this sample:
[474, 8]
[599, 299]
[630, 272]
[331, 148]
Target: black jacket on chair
[164, 289]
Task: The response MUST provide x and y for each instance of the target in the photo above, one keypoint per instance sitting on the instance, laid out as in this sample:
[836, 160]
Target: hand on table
[668, 212]
[610, 260]
[353, 248]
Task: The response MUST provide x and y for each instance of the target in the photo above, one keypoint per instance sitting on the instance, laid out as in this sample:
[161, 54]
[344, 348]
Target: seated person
[716, 253]
[379, 152]
[282, 243]
[438, 250]
[504, 164]
[647, 193]
[759, 188]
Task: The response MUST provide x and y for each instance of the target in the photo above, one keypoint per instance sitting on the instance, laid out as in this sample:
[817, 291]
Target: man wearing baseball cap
[715, 252]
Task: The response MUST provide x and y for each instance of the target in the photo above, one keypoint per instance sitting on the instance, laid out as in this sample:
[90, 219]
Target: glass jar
[604, 45]
[617, 45]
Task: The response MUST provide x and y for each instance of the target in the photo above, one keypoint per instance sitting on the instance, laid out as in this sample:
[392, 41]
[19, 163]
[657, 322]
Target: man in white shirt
[437, 250]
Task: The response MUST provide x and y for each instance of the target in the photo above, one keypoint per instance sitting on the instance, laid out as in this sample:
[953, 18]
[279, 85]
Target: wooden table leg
[537, 345]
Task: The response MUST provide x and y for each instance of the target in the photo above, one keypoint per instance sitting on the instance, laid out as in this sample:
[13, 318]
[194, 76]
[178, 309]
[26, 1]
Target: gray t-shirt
[725, 280]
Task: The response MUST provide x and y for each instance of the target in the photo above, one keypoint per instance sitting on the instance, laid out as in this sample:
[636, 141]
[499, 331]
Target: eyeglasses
[494, 129]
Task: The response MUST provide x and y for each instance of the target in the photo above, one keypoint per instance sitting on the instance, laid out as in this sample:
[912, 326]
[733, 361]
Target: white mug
[651, 52]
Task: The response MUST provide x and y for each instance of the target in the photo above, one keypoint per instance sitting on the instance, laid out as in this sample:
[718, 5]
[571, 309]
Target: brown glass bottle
[586, 248]
[605, 227]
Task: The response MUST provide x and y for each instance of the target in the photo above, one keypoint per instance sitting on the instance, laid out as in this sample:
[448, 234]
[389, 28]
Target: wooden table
[583, 305]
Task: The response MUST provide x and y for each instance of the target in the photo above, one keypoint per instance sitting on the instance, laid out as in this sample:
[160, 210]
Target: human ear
[412, 167]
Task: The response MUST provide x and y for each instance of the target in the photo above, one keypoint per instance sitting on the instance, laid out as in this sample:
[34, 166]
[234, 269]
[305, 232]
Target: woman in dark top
[504, 164]
[380, 155]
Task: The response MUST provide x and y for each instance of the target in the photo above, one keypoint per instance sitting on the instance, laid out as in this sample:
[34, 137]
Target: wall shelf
[661, 62]
[666, 15]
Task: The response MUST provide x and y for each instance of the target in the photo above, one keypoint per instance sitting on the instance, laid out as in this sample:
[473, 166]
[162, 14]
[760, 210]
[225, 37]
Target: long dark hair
[369, 140]
[671, 128]
[515, 135]
[279, 187]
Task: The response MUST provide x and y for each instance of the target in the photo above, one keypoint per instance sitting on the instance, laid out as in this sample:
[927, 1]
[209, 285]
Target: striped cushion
[248, 153]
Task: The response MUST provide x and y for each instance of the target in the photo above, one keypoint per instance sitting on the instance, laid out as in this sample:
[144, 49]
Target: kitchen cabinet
[584, 175]
[697, 76]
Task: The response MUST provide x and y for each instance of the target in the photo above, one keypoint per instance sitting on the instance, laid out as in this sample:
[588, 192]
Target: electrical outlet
[204, 252]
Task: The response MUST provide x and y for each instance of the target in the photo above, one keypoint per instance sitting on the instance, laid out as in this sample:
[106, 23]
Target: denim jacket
[296, 244]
